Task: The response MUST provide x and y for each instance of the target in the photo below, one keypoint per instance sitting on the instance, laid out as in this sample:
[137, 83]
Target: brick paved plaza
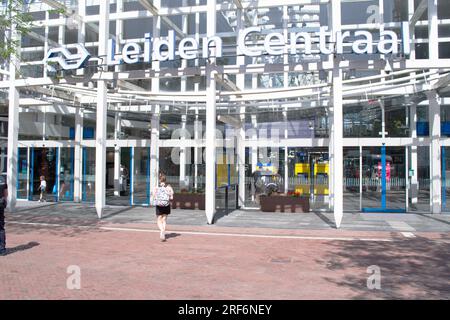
[124, 259]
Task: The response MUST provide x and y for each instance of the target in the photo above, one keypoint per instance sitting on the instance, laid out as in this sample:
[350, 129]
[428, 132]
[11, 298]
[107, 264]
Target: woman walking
[162, 195]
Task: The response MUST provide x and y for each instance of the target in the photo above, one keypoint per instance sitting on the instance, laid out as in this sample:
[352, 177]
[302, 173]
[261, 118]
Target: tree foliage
[13, 13]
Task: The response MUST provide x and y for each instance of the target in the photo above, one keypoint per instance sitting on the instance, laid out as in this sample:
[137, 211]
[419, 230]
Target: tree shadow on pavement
[22, 247]
[417, 268]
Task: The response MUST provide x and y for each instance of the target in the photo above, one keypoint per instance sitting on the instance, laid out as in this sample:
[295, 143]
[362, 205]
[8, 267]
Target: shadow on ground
[416, 268]
[172, 235]
[22, 247]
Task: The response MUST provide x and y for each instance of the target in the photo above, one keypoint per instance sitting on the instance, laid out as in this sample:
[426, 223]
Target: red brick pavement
[128, 264]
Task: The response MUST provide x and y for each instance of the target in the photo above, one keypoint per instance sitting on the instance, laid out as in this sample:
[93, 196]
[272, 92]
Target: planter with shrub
[284, 203]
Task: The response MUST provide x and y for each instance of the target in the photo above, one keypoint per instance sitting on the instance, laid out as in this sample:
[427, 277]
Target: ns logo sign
[66, 59]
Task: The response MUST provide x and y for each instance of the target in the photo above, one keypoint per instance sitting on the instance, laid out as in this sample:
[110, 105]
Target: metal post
[210, 190]
[435, 159]
[433, 36]
[154, 142]
[414, 185]
[117, 156]
[337, 127]
[13, 126]
[183, 154]
[102, 100]
[360, 176]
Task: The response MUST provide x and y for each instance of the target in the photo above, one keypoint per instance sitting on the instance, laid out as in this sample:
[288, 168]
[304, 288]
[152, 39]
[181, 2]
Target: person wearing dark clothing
[3, 203]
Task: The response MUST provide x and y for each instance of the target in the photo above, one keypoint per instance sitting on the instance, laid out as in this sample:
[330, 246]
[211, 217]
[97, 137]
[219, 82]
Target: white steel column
[210, 188]
[435, 115]
[102, 100]
[433, 37]
[118, 115]
[435, 159]
[154, 148]
[285, 114]
[117, 159]
[254, 152]
[240, 133]
[78, 154]
[337, 126]
[13, 127]
[78, 157]
[183, 151]
[198, 126]
[155, 119]
[197, 151]
[286, 153]
[414, 187]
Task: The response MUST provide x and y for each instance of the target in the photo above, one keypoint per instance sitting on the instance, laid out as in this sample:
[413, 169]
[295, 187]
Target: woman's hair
[42, 177]
[162, 178]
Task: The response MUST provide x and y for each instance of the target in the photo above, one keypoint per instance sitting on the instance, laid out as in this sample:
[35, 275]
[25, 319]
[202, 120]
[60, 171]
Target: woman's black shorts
[162, 210]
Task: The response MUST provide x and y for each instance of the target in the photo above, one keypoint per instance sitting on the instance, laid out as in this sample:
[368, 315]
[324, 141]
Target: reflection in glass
[88, 179]
[141, 175]
[66, 174]
[22, 170]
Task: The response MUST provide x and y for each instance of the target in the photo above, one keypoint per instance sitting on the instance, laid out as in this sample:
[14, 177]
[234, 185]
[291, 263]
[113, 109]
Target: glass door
[22, 170]
[66, 174]
[352, 178]
[118, 183]
[384, 182]
[43, 166]
[88, 177]
[141, 175]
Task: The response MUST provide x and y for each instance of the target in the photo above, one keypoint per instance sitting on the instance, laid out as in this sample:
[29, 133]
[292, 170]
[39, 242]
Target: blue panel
[148, 177]
[88, 133]
[131, 175]
[423, 129]
[443, 174]
[445, 128]
[383, 176]
[30, 196]
[72, 185]
[57, 176]
[83, 195]
[72, 133]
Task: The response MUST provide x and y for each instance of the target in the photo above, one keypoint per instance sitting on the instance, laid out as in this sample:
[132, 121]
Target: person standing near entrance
[42, 189]
[3, 204]
[162, 194]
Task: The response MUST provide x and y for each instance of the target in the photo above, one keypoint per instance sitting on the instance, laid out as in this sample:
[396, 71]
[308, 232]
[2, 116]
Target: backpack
[162, 197]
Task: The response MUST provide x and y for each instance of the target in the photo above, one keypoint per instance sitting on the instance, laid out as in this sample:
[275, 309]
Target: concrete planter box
[188, 201]
[282, 203]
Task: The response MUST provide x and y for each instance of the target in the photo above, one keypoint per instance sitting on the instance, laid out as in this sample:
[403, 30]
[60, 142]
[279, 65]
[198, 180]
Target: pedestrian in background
[42, 189]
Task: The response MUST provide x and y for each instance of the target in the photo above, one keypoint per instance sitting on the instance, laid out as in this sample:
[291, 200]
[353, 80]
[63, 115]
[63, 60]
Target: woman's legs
[164, 222]
[162, 227]
[159, 223]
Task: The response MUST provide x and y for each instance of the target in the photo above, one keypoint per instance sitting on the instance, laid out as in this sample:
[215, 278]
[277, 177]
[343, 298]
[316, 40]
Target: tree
[15, 13]
[12, 14]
